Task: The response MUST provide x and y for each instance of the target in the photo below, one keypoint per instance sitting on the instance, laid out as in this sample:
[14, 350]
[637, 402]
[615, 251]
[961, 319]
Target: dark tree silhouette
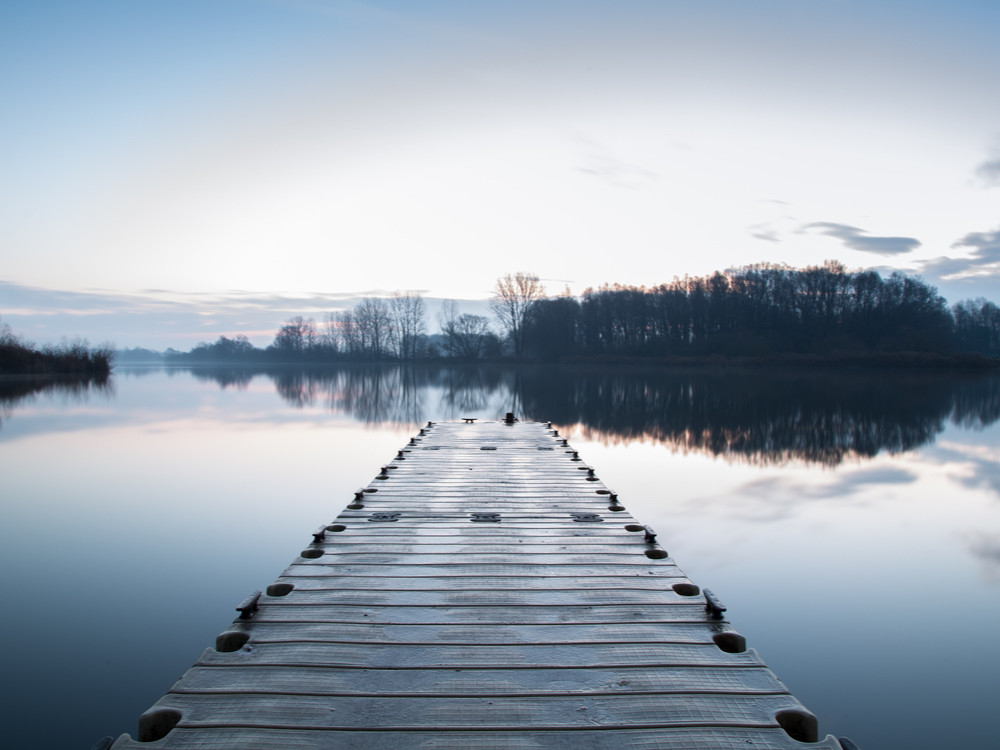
[407, 311]
[977, 326]
[513, 297]
[465, 336]
[75, 359]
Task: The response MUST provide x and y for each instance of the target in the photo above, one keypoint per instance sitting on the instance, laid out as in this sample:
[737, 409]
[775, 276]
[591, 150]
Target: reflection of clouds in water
[20, 392]
[776, 498]
[986, 548]
[973, 466]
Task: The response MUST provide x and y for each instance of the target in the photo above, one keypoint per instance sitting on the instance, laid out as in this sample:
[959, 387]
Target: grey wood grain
[553, 625]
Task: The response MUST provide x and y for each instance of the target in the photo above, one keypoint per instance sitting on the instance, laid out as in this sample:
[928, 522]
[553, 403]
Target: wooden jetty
[486, 590]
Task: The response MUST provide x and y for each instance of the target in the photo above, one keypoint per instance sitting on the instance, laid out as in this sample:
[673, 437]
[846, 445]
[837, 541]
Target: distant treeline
[72, 359]
[760, 311]
[764, 310]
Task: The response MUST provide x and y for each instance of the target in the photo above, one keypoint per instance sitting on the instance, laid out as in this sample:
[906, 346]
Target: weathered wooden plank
[644, 738]
[442, 634]
[506, 529]
[476, 583]
[333, 557]
[474, 597]
[541, 681]
[484, 615]
[631, 547]
[302, 567]
[647, 738]
[468, 656]
[485, 714]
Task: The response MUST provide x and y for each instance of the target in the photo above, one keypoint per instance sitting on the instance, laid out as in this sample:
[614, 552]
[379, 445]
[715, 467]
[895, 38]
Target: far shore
[917, 360]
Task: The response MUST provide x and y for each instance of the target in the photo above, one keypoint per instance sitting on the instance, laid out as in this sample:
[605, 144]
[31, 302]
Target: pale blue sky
[158, 153]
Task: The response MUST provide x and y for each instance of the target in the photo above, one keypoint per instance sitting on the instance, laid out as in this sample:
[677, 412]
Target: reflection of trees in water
[298, 388]
[393, 393]
[763, 415]
[370, 394]
[19, 391]
[469, 390]
[226, 377]
[379, 394]
[977, 403]
[755, 414]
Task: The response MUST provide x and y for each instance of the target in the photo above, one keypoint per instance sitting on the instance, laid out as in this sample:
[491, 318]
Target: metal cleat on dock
[713, 606]
[249, 605]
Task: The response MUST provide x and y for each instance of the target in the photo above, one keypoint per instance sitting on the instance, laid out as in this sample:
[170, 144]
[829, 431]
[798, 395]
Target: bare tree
[513, 297]
[407, 311]
[374, 326]
[343, 326]
[330, 337]
[296, 336]
[465, 336]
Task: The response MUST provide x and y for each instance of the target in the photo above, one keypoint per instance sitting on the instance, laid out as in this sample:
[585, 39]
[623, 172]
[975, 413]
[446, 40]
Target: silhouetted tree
[408, 326]
[513, 297]
[224, 349]
[551, 328]
[465, 336]
[977, 326]
[374, 326]
[296, 337]
[74, 359]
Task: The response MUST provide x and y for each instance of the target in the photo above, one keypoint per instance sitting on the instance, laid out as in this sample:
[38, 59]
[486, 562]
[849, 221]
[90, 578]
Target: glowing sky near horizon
[315, 147]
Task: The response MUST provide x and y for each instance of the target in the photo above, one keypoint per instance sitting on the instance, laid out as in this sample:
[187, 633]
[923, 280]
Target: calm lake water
[850, 521]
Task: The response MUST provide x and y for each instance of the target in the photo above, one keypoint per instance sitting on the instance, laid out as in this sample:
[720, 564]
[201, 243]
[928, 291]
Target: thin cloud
[858, 239]
[40, 301]
[986, 549]
[600, 163]
[161, 318]
[988, 173]
[764, 232]
[777, 498]
[983, 261]
[781, 223]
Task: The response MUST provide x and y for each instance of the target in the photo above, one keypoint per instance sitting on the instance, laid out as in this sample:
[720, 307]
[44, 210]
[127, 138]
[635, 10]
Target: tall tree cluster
[761, 310]
[379, 329]
[376, 329]
[977, 326]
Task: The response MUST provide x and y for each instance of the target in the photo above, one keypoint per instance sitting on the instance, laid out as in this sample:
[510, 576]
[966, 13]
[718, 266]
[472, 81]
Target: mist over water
[845, 518]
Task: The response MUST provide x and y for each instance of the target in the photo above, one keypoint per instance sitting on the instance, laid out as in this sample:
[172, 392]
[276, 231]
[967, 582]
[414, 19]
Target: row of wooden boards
[486, 590]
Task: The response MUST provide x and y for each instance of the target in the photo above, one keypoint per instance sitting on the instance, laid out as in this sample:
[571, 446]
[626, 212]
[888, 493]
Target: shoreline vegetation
[756, 315]
[71, 360]
[759, 315]
[888, 360]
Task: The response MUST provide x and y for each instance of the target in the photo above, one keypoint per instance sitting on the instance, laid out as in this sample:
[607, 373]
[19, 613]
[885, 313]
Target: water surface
[849, 520]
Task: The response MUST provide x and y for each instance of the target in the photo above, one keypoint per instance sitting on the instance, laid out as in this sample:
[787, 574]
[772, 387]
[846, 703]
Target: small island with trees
[72, 359]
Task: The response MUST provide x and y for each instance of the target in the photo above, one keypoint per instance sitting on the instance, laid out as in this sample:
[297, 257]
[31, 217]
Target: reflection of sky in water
[134, 523]
[871, 589]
